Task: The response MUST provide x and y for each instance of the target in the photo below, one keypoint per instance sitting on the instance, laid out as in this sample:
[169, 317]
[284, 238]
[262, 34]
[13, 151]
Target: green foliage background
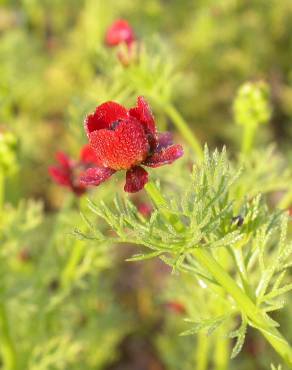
[76, 306]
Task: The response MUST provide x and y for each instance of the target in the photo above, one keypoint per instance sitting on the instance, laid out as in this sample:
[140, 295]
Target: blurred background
[70, 305]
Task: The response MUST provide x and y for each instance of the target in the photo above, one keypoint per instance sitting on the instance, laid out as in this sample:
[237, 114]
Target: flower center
[115, 124]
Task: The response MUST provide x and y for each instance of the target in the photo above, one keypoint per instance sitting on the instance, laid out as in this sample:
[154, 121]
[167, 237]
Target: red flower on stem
[120, 32]
[125, 139]
[67, 173]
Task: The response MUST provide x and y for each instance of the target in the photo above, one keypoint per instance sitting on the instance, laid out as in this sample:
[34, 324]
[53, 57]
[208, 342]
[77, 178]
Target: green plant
[237, 247]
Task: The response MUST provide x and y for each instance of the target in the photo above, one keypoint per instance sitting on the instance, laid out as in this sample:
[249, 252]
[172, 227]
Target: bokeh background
[88, 309]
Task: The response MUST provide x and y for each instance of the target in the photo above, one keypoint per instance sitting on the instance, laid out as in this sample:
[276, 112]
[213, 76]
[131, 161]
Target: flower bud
[251, 105]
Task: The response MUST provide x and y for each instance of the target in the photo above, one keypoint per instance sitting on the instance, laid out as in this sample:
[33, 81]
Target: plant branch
[257, 318]
[255, 315]
[182, 126]
[248, 138]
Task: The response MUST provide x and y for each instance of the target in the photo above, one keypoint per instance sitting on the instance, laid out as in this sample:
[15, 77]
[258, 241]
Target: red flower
[119, 32]
[176, 307]
[145, 209]
[68, 172]
[124, 139]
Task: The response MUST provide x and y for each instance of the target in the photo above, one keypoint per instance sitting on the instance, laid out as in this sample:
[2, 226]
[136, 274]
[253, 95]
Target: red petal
[122, 148]
[60, 176]
[87, 154]
[166, 156]
[136, 178]
[64, 160]
[119, 32]
[145, 209]
[144, 114]
[96, 175]
[104, 115]
[164, 140]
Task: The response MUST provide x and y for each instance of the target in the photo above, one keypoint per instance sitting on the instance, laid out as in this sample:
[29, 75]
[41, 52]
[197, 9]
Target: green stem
[160, 202]
[237, 256]
[221, 353]
[182, 127]
[248, 138]
[245, 304]
[6, 344]
[44, 319]
[202, 350]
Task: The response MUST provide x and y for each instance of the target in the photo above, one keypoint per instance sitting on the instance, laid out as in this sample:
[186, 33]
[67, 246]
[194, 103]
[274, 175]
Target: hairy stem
[160, 202]
[222, 352]
[246, 305]
[202, 351]
[237, 256]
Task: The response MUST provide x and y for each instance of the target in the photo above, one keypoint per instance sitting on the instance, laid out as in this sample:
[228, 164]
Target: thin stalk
[202, 351]
[222, 351]
[44, 319]
[160, 202]
[248, 138]
[182, 127]
[6, 343]
[237, 256]
[246, 305]
[257, 318]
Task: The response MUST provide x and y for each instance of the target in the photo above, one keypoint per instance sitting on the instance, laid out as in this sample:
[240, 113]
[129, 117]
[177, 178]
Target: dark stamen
[237, 220]
[115, 124]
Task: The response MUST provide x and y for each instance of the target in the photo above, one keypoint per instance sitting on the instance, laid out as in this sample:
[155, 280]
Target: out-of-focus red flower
[176, 307]
[125, 139]
[24, 255]
[121, 33]
[68, 171]
[145, 209]
[118, 33]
